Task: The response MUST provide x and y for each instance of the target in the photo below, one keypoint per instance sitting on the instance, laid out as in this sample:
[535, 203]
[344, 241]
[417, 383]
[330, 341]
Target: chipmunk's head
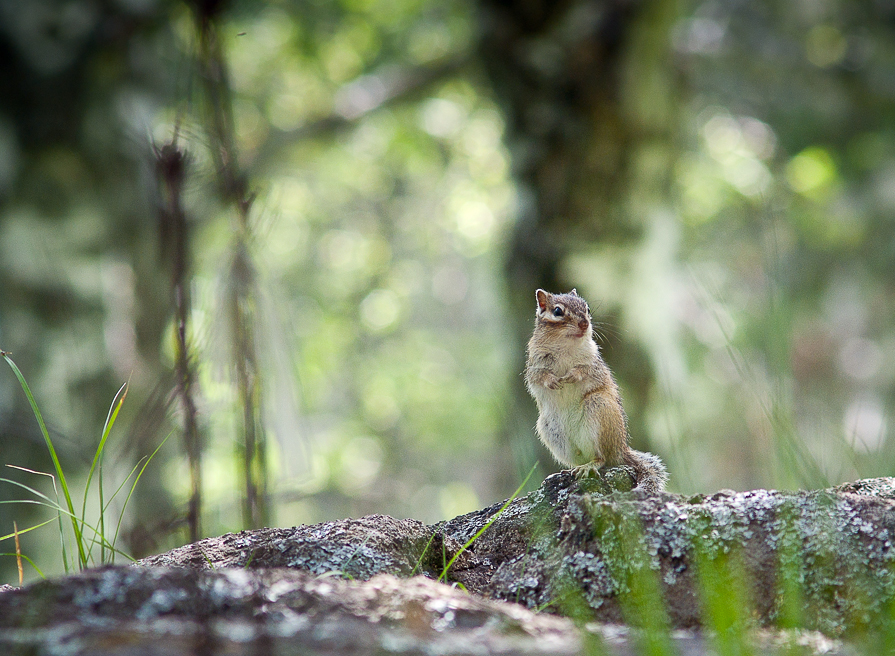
[567, 314]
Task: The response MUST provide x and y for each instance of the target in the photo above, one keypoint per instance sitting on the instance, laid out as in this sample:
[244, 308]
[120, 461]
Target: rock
[821, 560]
[158, 611]
[609, 560]
[142, 610]
[355, 548]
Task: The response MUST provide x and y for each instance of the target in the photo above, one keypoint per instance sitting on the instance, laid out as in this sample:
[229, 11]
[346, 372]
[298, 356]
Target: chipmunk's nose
[582, 325]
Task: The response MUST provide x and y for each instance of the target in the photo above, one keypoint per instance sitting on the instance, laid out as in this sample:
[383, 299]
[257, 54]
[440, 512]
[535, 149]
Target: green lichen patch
[820, 560]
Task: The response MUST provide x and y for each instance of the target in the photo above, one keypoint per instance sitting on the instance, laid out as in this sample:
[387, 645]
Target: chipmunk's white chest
[564, 427]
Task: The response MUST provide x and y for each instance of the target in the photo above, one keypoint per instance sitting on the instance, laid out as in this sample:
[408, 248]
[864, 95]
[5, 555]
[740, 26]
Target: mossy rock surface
[816, 559]
[587, 550]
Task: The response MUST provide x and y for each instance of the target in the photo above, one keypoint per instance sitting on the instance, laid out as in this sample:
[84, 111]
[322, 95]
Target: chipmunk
[581, 419]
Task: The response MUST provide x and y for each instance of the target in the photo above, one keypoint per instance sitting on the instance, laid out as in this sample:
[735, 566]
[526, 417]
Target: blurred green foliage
[757, 298]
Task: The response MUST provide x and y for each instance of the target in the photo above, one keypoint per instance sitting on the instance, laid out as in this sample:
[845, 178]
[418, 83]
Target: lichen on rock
[586, 549]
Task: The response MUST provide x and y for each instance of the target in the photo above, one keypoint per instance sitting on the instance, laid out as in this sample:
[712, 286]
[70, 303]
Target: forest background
[308, 235]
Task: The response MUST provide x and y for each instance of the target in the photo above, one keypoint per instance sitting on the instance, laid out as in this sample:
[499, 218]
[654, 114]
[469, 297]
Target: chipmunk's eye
[557, 311]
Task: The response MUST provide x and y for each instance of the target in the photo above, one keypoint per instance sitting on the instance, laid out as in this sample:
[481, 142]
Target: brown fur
[581, 418]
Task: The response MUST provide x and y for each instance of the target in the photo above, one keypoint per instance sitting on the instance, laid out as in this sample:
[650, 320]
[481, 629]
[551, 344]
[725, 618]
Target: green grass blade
[36, 493]
[102, 516]
[122, 484]
[97, 535]
[47, 502]
[26, 530]
[79, 540]
[30, 562]
[23, 531]
[32, 502]
[59, 512]
[117, 402]
[133, 487]
[108, 503]
[419, 560]
[344, 573]
[57, 518]
[443, 575]
[52, 505]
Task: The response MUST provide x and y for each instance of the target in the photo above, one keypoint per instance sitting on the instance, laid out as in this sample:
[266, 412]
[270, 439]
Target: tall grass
[80, 540]
[447, 568]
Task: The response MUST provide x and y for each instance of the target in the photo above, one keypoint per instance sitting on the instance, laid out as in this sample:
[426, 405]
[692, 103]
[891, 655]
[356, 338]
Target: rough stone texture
[573, 540]
[831, 549]
[818, 560]
[128, 610]
[356, 548]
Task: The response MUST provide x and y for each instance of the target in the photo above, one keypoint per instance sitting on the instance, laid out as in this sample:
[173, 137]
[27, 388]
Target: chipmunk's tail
[650, 471]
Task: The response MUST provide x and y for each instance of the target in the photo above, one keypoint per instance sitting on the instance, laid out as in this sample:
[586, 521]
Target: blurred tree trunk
[589, 97]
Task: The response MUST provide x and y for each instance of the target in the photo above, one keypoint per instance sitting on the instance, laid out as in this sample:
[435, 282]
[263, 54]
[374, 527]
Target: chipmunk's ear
[541, 295]
[574, 292]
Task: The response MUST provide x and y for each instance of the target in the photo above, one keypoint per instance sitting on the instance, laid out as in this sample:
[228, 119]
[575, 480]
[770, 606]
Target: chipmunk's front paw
[576, 375]
[553, 383]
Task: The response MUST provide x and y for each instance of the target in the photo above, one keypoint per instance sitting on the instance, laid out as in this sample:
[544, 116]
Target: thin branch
[242, 292]
[171, 164]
